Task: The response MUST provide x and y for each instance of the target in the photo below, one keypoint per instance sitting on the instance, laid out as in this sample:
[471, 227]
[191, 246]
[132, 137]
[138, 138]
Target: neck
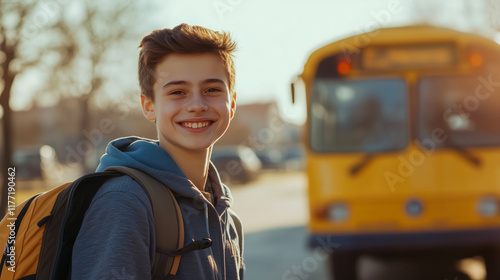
[194, 164]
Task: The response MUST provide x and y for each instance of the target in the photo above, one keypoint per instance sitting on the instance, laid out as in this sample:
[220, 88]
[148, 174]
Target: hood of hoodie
[146, 155]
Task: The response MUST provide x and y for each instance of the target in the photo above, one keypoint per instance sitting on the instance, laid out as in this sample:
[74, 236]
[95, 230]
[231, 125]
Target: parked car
[27, 163]
[236, 163]
[271, 159]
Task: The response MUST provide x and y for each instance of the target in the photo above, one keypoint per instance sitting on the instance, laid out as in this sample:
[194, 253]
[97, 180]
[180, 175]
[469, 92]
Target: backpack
[39, 235]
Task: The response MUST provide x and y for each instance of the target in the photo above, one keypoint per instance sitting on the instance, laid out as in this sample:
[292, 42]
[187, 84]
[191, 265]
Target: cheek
[223, 107]
[167, 111]
[225, 112]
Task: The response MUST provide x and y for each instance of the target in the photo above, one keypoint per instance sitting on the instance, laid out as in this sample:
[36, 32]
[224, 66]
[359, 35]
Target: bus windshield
[358, 115]
[465, 109]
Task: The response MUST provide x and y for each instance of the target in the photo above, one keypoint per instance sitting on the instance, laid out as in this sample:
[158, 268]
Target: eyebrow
[207, 81]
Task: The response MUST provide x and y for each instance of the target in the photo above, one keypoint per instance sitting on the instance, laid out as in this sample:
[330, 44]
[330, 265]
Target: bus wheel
[343, 265]
[491, 261]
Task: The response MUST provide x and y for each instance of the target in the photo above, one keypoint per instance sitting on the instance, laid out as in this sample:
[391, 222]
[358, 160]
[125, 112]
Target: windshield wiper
[466, 154]
[356, 168]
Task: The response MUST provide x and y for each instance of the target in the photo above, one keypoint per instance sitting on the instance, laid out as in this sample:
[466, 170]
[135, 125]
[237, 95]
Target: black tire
[344, 266]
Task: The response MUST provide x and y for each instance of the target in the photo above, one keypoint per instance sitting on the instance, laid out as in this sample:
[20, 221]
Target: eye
[213, 90]
[177, 92]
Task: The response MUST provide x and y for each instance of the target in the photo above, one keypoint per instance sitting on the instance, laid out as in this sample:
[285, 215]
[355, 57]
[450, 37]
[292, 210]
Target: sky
[276, 37]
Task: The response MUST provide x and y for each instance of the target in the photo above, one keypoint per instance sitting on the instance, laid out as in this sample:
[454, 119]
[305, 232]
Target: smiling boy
[186, 75]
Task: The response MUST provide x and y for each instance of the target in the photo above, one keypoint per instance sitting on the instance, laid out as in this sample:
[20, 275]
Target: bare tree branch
[24, 10]
[13, 63]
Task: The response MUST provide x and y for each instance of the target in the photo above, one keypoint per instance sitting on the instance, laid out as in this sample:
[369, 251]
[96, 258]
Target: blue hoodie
[117, 237]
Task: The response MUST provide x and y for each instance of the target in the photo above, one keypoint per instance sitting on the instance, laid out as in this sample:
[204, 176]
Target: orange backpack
[39, 237]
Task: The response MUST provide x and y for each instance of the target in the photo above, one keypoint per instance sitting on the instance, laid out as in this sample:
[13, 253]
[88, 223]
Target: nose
[197, 103]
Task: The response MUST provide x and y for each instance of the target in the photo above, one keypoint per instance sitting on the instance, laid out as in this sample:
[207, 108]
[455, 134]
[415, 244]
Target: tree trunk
[7, 159]
[85, 122]
[84, 126]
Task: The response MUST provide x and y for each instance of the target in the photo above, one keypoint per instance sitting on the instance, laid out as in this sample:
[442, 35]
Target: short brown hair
[187, 39]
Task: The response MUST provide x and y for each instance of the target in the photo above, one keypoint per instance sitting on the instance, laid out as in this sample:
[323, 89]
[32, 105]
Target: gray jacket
[117, 237]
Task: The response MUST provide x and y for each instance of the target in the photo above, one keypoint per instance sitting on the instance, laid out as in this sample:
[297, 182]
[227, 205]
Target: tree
[104, 29]
[107, 36]
[79, 38]
[20, 23]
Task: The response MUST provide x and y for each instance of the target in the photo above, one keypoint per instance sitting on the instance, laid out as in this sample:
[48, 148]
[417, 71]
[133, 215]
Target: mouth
[200, 124]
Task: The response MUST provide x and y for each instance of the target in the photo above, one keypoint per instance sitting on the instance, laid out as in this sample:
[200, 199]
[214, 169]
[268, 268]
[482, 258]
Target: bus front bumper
[485, 238]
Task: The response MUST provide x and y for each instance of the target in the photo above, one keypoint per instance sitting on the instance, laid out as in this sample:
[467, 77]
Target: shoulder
[123, 185]
[121, 192]
[122, 204]
[120, 217]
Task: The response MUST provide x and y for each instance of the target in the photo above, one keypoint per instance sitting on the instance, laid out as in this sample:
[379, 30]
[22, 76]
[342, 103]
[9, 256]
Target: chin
[198, 147]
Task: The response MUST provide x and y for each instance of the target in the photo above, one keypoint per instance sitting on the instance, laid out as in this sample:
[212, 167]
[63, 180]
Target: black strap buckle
[195, 245]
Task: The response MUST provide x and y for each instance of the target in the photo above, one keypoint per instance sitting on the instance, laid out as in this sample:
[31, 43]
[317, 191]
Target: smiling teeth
[195, 125]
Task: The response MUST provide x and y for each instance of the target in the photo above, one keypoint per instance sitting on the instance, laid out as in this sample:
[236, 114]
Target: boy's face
[192, 105]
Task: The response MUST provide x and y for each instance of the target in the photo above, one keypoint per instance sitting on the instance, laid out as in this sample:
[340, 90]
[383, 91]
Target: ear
[233, 104]
[148, 108]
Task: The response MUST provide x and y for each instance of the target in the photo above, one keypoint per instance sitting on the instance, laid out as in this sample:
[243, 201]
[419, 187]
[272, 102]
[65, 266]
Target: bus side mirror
[297, 79]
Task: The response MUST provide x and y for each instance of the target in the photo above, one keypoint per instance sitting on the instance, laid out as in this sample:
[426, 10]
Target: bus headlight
[337, 212]
[414, 207]
[488, 206]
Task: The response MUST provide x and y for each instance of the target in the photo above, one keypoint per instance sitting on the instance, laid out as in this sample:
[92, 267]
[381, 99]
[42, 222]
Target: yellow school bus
[403, 145]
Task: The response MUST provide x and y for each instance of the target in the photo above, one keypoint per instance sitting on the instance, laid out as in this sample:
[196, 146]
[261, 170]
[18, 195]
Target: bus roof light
[475, 59]
[343, 67]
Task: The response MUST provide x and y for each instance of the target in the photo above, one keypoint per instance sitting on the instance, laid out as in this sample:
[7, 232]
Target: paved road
[274, 212]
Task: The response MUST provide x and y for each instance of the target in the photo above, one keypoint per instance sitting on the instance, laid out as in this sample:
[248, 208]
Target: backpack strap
[239, 228]
[167, 224]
